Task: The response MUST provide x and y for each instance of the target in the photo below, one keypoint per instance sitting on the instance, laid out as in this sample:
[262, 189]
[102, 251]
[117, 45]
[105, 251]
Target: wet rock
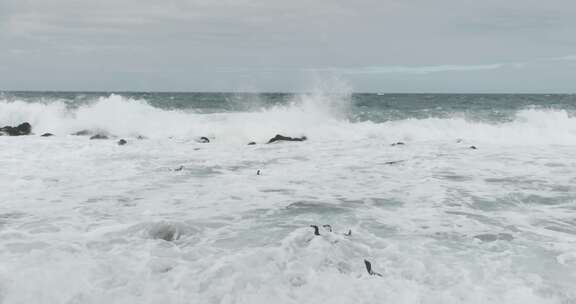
[83, 133]
[168, 231]
[316, 231]
[122, 142]
[279, 137]
[99, 136]
[22, 129]
[47, 135]
[369, 269]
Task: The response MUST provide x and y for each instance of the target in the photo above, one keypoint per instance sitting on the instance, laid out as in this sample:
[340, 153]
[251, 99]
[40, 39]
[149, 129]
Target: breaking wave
[317, 115]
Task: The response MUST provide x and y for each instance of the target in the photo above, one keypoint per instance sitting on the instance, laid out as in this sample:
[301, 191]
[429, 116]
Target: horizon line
[277, 92]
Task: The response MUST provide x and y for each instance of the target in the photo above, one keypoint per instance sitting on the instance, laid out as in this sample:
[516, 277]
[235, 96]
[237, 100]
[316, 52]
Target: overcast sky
[273, 45]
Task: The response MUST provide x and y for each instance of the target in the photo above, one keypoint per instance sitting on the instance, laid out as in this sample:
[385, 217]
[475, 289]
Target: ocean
[451, 198]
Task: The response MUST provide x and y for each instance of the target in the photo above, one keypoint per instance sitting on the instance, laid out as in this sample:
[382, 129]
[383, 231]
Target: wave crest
[317, 115]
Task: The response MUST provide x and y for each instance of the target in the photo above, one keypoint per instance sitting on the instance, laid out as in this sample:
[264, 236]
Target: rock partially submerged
[99, 136]
[370, 270]
[203, 140]
[279, 137]
[22, 129]
[83, 133]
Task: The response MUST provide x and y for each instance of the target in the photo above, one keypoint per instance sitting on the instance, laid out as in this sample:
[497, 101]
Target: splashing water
[170, 219]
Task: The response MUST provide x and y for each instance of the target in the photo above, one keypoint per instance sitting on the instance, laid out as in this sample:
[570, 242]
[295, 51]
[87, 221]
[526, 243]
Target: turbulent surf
[196, 206]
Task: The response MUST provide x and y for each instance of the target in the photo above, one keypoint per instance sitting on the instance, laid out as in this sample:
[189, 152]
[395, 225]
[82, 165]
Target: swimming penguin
[179, 168]
[369, 268]
[258, 172]
[349, 233]
[316, 231]
[328, 227]
[473, 147]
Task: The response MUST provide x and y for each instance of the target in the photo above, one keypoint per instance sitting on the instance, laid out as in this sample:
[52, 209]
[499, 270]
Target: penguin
[328, 227]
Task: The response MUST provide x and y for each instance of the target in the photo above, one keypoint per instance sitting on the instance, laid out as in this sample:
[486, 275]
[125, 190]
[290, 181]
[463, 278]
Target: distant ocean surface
[452, 198]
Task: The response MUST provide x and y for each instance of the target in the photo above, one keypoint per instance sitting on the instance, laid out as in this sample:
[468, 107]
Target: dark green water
[361, 107]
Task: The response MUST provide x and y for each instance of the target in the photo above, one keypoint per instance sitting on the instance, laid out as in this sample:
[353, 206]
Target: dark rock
[165, 231]
[369, 268]
[204, 140]
[397, 144]
[122, 142]
[47, 135]
[316, 231]
[251, 143]
[21, 129]
[83, 133]
[279, 137]
[99, 136]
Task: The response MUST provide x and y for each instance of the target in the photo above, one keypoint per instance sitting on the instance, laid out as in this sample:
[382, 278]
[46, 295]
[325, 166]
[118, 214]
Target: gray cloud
[274, 45]
[429, 69]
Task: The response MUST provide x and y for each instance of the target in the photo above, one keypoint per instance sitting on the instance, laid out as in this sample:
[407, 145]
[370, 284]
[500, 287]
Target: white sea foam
[317, 115]
[92, 222]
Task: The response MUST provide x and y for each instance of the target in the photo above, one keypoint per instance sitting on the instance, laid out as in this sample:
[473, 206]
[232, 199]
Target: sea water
[169, 219]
